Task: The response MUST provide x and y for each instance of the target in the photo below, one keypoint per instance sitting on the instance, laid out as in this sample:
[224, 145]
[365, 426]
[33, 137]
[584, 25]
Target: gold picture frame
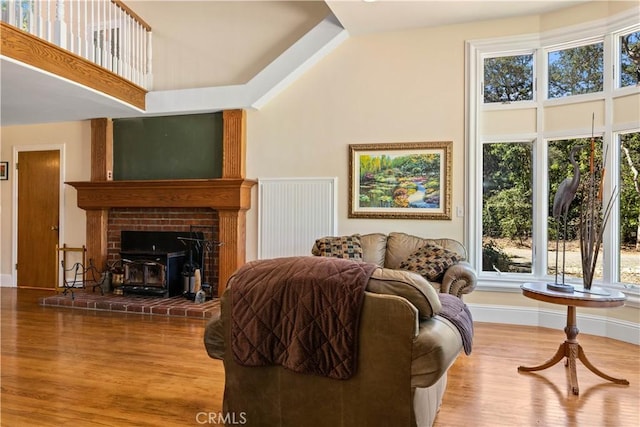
[400, 180]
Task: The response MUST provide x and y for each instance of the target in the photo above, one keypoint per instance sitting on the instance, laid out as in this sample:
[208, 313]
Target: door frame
[14, 201]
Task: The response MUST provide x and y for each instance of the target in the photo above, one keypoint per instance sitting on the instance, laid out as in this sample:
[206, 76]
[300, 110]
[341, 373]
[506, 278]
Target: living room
[397, 86]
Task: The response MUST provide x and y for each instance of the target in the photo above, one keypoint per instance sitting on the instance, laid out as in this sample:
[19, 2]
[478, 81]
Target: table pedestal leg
[572, 351]
[585, 361]
[560, 354]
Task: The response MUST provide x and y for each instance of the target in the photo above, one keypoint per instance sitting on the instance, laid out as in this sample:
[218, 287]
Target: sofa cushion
[408, 285]
[374, 248]
[401, 245]
[430, 261]
[339, 247]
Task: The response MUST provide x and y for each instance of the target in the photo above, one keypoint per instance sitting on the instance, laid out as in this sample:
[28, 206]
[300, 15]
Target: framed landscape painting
[400, 180]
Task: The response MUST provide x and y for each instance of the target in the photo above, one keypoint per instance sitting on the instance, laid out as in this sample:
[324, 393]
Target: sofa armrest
[435, 348]
[214, 338]
[459, 279]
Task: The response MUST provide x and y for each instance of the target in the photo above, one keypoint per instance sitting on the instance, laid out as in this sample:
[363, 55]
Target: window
[568, 164]
[507, 207]
[508, 79]
[630, 59]
[630, 208]
[520, 152]
[575, 71]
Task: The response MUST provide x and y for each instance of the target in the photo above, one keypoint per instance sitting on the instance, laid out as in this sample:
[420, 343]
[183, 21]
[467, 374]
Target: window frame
[617, 59]
[606, 31]
[508, 105]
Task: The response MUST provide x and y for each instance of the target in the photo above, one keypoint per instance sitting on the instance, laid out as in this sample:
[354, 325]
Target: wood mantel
[218, 194]
[229, 195]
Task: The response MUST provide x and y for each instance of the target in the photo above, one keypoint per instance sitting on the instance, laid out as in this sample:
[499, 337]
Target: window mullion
[611, 238]
[540, 182]
[474, 157]
[540, 208]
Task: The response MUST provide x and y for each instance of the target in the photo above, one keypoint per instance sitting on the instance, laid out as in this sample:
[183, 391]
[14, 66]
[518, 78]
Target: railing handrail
[132, 14]
[105, 32]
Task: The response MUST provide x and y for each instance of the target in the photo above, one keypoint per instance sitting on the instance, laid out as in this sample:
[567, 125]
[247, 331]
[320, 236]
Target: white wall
[395, 87]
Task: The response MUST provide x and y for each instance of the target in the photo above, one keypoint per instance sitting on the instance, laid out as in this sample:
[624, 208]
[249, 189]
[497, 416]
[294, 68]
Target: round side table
[571, 349]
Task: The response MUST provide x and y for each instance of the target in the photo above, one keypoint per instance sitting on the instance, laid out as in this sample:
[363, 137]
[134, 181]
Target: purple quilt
[457, 312]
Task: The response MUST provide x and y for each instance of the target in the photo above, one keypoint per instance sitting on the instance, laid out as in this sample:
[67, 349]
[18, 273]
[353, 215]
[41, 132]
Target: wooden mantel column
[232, 223]
[229, 195]
[231, 229]
[101, 166]
[234, 144]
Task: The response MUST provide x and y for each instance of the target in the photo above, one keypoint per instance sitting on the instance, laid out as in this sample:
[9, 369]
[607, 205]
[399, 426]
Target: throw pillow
[430, 261]
[348, 247]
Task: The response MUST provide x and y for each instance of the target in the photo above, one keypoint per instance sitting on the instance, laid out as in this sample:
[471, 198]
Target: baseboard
[620, 330]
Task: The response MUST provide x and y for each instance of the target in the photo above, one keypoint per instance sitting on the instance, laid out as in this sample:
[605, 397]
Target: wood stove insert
[154, 261]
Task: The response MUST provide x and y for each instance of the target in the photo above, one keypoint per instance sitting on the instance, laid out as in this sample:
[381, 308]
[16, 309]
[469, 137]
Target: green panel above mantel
[168, 147]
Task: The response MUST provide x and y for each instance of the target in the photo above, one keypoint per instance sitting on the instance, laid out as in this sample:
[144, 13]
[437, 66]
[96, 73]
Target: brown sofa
[405, 347]
[391, 250]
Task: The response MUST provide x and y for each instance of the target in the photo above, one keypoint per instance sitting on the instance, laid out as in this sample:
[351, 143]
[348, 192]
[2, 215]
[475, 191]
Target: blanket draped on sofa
[457, 312]
[301, 313]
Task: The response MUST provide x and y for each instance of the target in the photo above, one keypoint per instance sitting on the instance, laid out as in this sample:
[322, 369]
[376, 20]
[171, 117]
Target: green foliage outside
[630, 190]
[560, 169]
[629, 59]
[494, 258]
[576, 71]
[507, 191]
[508, 79]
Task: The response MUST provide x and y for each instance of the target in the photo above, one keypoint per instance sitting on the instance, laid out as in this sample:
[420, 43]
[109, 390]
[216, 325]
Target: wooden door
[38, 218]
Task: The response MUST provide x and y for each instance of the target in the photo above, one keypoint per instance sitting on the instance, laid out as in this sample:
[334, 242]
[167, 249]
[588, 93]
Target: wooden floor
[64, 367]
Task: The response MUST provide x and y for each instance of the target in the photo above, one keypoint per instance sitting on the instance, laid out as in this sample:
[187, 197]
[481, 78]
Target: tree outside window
[507, 209]
[630, 208]
[575, 71]
[508, 79]
[630, 59]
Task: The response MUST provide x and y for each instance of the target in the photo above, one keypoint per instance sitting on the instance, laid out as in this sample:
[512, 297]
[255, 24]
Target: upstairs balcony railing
[105, 32]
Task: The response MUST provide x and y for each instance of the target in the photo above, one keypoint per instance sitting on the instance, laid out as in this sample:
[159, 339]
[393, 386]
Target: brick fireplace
[155, 204]
[229, 198]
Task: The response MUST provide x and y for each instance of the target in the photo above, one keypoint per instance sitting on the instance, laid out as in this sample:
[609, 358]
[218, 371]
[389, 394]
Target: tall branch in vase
[593, 214]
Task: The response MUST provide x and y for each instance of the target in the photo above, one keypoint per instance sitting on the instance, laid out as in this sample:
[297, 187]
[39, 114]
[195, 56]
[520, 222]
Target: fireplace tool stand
[203, 247]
